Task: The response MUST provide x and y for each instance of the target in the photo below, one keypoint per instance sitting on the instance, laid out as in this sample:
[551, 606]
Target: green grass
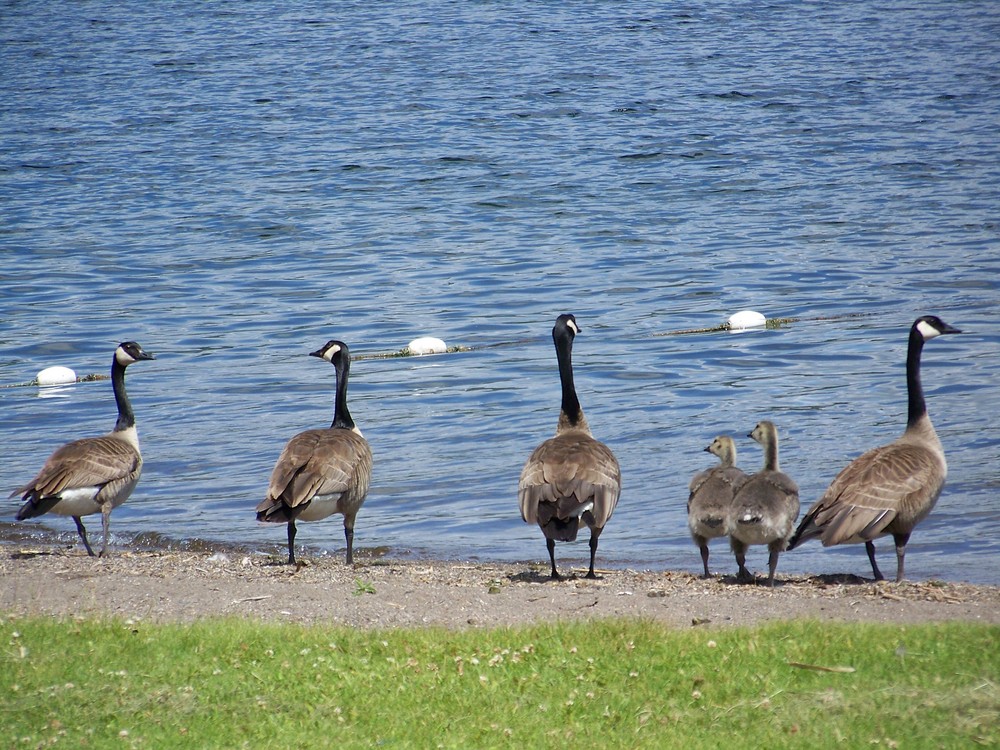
[611, 684]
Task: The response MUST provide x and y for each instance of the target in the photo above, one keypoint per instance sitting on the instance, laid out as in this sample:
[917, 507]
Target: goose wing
[318, 462]
[698, 481]
[871, 491]
[727, 481]
[783, 483]
[106, 462]
[570, 471]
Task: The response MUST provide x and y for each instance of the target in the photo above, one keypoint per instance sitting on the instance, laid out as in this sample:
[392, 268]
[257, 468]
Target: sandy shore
[168, 586]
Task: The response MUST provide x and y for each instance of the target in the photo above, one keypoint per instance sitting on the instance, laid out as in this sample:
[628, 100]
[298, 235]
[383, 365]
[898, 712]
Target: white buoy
[427, 345]
[744, 319]
[55, 376]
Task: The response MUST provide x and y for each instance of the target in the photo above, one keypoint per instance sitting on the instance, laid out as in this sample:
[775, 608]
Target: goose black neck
[126, 418]
[564, 355]
[915, 392]
[341, 414]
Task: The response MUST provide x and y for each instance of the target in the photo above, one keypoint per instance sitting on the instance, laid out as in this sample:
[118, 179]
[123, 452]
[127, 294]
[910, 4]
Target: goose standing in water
[92, 475]
[570, 479]
[765, 507]
[710, 502]
[892, 488]
[322, 472]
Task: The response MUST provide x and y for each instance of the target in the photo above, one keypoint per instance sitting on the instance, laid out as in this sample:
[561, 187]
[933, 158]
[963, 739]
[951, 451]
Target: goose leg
[105, 526]
[551, 546]
[772, 565]
[83, 535]
[594, 534]
[349, 536]
[870, 549]
[703, 548]
[901, 540]
[291, 541]
[742, 574]
[740, 550]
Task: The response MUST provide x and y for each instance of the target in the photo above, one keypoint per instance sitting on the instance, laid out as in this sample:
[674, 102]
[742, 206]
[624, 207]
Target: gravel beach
[376, 592]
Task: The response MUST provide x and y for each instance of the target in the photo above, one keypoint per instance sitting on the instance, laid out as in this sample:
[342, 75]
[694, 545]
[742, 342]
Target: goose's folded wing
[577, 469]
[90, 462]
[871, 491]
[293, 459]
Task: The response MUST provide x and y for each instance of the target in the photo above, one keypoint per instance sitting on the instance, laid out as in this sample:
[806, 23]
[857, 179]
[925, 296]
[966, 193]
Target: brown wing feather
[569, 470]
[319, 462]
[896, 481]
[88, 462]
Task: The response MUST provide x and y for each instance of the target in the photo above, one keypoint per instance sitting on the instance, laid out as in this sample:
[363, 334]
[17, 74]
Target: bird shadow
[539, 576]
[837, 579]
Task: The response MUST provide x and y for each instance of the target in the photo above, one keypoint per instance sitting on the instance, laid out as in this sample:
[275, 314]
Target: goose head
[724, 447]
[331, 350]
[929, 326]
[566, 325]
[129, 352]
[764, 433]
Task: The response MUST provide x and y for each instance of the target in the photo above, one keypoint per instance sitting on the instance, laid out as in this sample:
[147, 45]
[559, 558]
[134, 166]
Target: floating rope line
[770, 323]
[405, 351]
[82, 379]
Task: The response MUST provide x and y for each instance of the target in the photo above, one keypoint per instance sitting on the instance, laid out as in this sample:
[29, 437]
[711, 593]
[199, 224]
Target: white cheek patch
[927, 330]
[122, 357]
[328, 354]
[572, 326]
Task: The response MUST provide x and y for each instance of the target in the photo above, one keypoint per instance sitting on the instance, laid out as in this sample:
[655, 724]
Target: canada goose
[570, 479]
[322, 472]
[710, 502]
[765, 506]
[892, 488]
[92, 475]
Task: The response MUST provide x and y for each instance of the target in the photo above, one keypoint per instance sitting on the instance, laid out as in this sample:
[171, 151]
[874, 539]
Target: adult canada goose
[570, 479]
[765, 506]
[710, 502]
[92, 475]
[892, 488]
[322, 472]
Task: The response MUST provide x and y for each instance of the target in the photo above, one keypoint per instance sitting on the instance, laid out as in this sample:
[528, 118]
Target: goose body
[92, 475]
[765, 507]
[324, 471]
[892, 488]
[570, 480]
[710, 499]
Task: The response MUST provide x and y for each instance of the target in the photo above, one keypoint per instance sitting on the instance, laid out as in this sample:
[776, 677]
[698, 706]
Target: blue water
[232, 184]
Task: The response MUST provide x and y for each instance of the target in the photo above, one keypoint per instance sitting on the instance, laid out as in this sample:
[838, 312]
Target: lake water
[233, 184]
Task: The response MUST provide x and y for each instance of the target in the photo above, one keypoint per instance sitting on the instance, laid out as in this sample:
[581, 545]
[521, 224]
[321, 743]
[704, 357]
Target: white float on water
[427, 345]
[744, 319]
[55, 376]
